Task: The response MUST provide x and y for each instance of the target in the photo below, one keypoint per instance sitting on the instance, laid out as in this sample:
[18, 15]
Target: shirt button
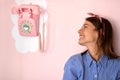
[95, 75]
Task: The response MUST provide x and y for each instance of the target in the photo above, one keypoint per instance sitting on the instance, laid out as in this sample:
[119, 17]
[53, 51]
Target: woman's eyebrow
[85, 24]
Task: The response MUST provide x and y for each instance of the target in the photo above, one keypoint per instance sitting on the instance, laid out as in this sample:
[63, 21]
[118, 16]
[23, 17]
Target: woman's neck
[95, 52]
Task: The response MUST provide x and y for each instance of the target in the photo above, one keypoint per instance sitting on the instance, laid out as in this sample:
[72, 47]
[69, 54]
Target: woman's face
[88, 34]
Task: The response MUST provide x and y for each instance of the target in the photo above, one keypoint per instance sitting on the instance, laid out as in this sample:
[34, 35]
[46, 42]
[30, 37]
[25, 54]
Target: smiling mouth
[81, 36]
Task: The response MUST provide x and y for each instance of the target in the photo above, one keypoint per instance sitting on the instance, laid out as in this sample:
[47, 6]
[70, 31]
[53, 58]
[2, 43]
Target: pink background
[65, 18]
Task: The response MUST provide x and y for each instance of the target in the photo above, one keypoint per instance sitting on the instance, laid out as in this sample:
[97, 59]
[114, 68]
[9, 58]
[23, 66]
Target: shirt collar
[88, 58]
[102, 61]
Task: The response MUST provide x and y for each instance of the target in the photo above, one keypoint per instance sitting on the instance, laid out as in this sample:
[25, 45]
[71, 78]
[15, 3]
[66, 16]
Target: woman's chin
[81, 42]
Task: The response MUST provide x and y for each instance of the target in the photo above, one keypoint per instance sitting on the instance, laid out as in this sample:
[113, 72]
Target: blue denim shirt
[83, 67]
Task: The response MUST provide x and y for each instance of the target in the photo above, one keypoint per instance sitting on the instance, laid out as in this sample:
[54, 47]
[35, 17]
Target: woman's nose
[79, 30]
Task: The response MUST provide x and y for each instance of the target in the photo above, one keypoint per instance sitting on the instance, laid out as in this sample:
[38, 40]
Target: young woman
[99, 61]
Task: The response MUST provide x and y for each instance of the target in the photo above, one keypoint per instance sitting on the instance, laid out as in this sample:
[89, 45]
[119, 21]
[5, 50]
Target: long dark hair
[105, 32]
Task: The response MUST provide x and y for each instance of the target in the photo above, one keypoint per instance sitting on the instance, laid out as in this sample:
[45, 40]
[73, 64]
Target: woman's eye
[85, 27]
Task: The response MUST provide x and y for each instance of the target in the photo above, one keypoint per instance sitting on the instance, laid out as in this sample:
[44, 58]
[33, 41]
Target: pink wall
[65, 18]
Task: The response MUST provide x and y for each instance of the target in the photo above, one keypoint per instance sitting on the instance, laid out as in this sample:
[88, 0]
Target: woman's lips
[81, 36]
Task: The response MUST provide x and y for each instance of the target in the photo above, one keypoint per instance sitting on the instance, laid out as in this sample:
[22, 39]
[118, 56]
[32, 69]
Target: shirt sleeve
[71, 69]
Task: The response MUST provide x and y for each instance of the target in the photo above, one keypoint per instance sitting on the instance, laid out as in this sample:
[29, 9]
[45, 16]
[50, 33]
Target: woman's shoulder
[75, 59]
[77, 56]
[73, 67]
[74, 63]
[115, 62]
